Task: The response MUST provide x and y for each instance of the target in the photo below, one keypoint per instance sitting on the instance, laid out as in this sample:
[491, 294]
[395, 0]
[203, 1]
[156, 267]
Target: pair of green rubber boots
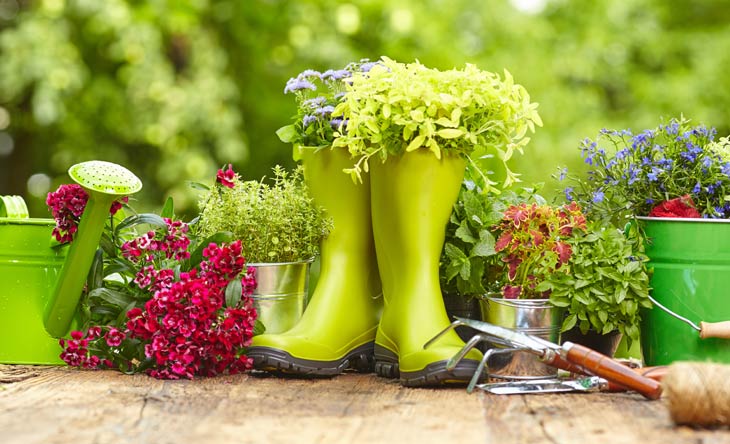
[400, 212]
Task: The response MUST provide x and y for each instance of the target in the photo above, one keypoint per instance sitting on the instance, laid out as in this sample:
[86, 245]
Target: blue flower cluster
[631, 173]
[317, 94]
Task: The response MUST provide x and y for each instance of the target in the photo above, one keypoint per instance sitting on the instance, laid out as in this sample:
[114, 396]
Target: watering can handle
[715, 330]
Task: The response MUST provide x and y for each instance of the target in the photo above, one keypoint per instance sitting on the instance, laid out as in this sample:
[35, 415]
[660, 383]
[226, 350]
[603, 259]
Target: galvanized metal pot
[690, 259]
[281, 293]
[536, 317]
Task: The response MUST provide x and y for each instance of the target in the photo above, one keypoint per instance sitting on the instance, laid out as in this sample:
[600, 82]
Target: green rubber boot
[412, 198]
[337, 329]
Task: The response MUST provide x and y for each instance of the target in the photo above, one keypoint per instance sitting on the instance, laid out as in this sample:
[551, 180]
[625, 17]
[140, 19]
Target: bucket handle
[720, 330]
[13, 207]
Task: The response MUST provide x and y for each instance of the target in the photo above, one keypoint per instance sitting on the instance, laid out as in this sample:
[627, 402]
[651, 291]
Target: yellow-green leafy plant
[395, 108]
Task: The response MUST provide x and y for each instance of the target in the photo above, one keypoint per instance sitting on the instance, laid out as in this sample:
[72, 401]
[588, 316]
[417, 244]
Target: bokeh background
[174, 89]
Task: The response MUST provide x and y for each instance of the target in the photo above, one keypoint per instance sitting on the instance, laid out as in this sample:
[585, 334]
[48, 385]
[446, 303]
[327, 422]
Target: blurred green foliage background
[174, 89]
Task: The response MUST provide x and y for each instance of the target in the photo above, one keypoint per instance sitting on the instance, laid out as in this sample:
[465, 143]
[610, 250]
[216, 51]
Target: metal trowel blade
[589, 384]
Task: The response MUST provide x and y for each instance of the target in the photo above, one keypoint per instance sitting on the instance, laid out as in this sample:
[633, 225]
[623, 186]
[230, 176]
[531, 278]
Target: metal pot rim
[278, 264]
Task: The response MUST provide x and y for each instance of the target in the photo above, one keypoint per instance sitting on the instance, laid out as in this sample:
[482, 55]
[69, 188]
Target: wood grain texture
[62, 405]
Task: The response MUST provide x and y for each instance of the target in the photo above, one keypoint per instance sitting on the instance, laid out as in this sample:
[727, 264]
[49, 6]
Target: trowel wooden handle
[655, 373]
[605, 367]
[715, 330]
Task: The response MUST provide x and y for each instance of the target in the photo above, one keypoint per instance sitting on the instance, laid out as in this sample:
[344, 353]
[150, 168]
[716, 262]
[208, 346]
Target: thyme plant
[276, 222]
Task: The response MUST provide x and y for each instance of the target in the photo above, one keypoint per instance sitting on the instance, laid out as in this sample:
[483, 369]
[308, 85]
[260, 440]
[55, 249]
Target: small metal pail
[536, 317]
[281, 293]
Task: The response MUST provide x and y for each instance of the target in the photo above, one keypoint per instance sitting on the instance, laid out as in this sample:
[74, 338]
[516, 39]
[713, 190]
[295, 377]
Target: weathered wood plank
[574, 418]
[62, 405]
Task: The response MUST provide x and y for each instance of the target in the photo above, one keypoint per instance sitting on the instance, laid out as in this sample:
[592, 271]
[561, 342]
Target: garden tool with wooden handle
[719, 330]
[571, 357]
[560, 385]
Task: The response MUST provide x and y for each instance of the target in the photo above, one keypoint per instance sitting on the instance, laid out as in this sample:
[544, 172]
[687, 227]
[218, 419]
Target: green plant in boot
[338, 327]
[422, 125]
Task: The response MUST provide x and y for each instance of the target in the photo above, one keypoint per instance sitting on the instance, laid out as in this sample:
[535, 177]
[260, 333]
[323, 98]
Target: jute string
[698, 393]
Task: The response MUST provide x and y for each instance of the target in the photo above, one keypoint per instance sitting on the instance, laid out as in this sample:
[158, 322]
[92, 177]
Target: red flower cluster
[67, 204]
[225, 177]
[532, 242]
[76, 353]
[678, 207]
[174, 243]
[185, 328]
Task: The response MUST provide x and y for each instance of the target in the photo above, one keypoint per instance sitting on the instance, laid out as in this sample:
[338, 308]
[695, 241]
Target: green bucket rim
[683, 219]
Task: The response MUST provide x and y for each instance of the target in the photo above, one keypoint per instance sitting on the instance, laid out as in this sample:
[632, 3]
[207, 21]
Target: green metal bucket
[29, 269]
[690, 259]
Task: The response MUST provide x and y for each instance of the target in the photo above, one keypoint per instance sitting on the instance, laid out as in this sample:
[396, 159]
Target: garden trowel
[574, 358]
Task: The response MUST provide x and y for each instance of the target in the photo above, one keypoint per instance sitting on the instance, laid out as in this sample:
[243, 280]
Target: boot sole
[273, 360]
[434, 374]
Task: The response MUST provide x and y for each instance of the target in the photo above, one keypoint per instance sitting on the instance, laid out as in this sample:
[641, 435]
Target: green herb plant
[396, 108]
[607, 283]
[276, 222]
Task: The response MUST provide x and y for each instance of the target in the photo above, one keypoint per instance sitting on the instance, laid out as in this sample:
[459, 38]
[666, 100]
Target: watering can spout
[105, 182]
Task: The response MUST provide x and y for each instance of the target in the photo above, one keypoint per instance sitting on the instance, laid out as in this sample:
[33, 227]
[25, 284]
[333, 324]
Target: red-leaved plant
[164, 302]
[531, 245]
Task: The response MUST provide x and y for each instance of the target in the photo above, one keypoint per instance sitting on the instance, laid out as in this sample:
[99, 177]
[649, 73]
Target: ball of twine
[698, 393]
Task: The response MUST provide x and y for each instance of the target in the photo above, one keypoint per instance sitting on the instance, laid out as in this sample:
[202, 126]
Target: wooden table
[62, 405]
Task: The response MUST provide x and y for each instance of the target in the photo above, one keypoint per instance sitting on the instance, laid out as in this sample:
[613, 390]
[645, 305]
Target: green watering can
[40, 285]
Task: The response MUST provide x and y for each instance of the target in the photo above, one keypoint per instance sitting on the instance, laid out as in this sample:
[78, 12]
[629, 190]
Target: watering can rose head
[674, 170]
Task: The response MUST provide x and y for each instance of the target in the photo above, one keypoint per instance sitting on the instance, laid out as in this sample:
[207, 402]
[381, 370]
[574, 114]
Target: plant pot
[281, 292]
[463, 307]
[690, 259]
[531, 316]
[604, 344]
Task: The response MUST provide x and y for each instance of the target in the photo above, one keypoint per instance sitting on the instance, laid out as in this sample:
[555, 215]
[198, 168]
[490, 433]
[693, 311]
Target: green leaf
[465, 270]
[569, 322]
[450, 133]
[168, 210]
[96, 273]
[416, 143]
[140, 219]
[113, 297]
[464, 233]
[485, 246]
[233, 293]
[288, 133]
[454, 253]
[198, 186]
[258, 328]
[544, 286]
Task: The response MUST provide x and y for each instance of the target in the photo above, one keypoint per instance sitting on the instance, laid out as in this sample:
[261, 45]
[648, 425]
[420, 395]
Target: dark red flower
[225, 177]
[682, 206]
